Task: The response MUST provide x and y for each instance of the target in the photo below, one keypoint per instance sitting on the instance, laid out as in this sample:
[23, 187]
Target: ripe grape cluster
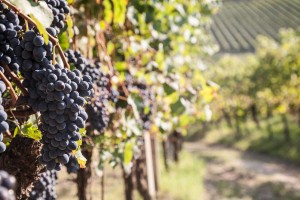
[96, 108]
[4, 127]
[7, 186]
[9, 28]
[58, 94]
[75, 58]
[148, 99]
[44, 188]
[72, 166]
[59, 9]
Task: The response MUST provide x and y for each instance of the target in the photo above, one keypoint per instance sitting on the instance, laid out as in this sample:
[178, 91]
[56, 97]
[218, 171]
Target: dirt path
[231, 174]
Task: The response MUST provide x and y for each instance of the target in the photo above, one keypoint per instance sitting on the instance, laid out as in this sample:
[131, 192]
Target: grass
[258, 139]
[184, 181]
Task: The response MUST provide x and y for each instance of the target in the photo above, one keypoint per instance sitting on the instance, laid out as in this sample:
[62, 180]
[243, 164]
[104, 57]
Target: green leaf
[146, 110]
[110, 47]
[29, 130]
[184, 120]
[120, 66]
[39, 10]
[41, 28]
[64, 41]
[72, 66]
[168, 89]
[177, 107]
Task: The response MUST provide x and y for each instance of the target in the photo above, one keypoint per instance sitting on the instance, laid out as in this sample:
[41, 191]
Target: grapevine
[105, 92]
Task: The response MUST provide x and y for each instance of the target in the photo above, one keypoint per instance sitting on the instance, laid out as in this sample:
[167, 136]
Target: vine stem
[100, 39]
[12, 92]
[21, 113]
[125, 90]
[122, 98]
[16, 80]
[51, 38]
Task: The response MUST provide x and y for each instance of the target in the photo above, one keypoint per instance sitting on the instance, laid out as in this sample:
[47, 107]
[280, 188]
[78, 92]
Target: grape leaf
[128, 154]
[168, 89]
[39, 10]
[64, 41]
[70, 26]
[29, 130]
[41, 28]
[177, 107]
[80, 158]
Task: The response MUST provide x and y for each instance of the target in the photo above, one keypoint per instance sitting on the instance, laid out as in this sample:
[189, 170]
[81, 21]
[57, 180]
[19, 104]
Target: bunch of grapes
[33, 54]
[75, 58]
[148, 99]
[7, 186]
[58, 94]
[4, 127]
[61, 110]
[9, 27]
[93, 70]
[72, 166]
[59, 9]
[98, 115]
[44, 188]
[97, 107]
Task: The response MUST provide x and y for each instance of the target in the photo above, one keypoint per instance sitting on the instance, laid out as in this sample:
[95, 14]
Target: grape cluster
[33, 54]
[59, 9]
[7, 186]
[93, 70]
[96, 108]
[98, 115]
[9, 27]
[4, 127]
[58, 94]
[75, 58]
[61, 110]
[148, 99]
[72, 166]
[44, 188]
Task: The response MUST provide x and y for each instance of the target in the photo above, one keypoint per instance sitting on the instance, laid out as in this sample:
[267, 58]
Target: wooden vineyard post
[155, 158]
[149, 164]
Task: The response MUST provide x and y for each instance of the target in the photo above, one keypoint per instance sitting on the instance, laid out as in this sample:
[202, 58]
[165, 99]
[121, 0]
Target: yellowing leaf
[108, 13]
[41, 28]
[128, 154]
[80, 158]
[70, 26]
[110, 47]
